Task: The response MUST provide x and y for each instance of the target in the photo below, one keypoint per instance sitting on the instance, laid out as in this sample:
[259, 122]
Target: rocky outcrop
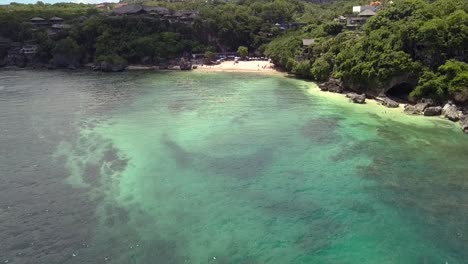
[357, 98]
[450, 111]
[390, 103]
[109, 67]
[433, 111]
[185, 65]
[418, 108]
[332, 85]
[65, 61]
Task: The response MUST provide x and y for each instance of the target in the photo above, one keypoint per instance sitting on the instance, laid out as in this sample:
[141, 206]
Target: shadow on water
[117, 238]
[322, 130]
[182, 157]
[414, 174]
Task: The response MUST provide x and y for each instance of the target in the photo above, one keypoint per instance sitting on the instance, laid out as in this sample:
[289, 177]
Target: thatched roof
[367, 13]
[56, 19]
[128, 9]
[37, 19]
[156, 9]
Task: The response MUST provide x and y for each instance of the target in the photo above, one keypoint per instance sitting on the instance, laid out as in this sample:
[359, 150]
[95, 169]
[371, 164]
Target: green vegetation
[243, 52]
[411, 41]
[418, 42]
[209, 57]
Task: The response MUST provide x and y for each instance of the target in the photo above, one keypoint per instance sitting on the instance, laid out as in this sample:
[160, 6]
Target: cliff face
[401, 84]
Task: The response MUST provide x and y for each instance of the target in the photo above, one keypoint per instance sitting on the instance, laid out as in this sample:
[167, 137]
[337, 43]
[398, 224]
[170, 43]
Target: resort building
[29, 49]
[156, 11]
[56, 20]
[308, 42]
[363, 14]
[39, 22]
[290, 25]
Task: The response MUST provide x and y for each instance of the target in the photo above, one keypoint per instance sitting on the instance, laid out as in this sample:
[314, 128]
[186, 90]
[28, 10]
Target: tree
[243, 52]
[209, 57]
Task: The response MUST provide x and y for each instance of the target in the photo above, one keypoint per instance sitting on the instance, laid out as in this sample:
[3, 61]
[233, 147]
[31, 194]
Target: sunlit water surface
[221, 168]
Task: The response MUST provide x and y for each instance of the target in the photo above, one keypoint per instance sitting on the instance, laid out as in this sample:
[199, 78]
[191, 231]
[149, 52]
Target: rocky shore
[103, 66]
[425, 107]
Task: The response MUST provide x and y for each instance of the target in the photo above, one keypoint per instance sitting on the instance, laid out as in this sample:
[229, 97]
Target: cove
[228, 168]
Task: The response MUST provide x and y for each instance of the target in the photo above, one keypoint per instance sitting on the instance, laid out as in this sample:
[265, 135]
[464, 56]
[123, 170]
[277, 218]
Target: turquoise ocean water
[222, 168]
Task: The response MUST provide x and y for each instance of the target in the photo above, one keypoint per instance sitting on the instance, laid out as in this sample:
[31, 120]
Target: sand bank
[241, 66]
[375, 107]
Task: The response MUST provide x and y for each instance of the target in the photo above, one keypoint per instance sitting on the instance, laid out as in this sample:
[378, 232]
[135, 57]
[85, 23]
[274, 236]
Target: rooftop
[128, 9]
[157, 9]
[367, 13]
[56, 19]
[308, 42]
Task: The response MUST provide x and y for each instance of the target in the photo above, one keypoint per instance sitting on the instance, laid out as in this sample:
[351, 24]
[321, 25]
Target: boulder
[185, 65]
[357, 98]
[416, 109]
[332, 85]
[110, 67]
[433, 111]
[411, 109]
[464, 123]
[390, 103]
[450, 111]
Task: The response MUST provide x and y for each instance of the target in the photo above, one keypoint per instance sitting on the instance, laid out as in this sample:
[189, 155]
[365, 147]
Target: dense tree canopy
[409, 40]
[420, 42]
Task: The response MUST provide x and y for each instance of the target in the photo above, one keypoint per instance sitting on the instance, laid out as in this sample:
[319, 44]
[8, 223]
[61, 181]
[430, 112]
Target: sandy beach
[241, 66]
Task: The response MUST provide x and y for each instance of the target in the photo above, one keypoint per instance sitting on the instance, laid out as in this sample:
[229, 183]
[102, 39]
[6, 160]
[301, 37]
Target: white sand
[241, 66]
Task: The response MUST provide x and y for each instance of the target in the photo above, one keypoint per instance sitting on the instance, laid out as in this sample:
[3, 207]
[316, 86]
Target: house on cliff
[155, 11]
[363, 14]
[307, 42]
[39, 22]
[290, 25]
[128, 10]
[56, 20]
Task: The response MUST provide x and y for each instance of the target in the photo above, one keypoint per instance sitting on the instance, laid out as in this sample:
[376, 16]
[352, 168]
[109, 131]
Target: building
[104, 6]
[290, 25]
[56, 20]
[308, 42]
[185, 16]
[59, 27]
[363, 14]
[128, 10]
[359, 9]
[29, 49]
[136, 9]
[39, 22]
[156, 10]
[355, 22]
[367, 13]
[341, 19]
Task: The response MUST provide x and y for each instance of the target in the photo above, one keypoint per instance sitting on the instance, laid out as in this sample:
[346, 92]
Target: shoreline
[265, 67]
[262, 67]
[373, 106]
